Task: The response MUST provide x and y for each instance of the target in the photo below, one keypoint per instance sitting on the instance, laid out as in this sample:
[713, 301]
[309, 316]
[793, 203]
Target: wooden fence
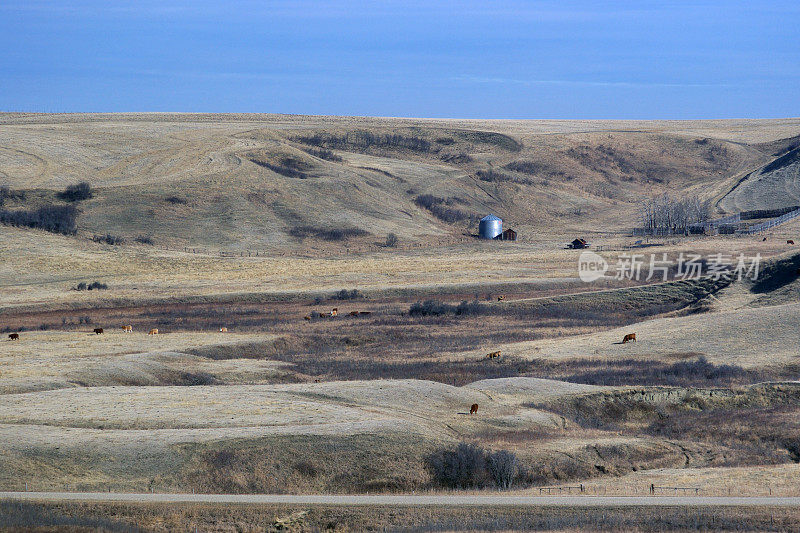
[562, 489]
[674, 490]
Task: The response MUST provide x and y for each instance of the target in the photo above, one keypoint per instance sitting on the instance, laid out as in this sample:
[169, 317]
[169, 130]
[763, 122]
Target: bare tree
[667, 214]
[503, 468]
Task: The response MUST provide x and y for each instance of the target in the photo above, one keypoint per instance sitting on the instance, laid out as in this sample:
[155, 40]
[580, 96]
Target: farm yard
[237, 236]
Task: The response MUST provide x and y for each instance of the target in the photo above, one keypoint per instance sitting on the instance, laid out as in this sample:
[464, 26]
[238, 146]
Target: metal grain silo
[490, 227]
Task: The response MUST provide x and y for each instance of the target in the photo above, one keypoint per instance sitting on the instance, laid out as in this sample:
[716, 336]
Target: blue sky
[472, 59]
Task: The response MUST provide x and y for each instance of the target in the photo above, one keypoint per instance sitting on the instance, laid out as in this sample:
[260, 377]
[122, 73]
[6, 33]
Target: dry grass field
[254, 222]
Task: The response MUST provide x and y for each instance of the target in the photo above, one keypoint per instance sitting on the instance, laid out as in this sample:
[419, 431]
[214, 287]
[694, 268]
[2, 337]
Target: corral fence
[768, 213]
[730, 225]
[758, 228]
[658, 232]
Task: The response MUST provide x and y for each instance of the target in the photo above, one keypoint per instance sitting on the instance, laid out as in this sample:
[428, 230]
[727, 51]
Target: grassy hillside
[261, 182]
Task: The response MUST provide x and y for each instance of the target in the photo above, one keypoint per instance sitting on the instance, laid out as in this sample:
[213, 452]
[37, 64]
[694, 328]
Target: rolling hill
[255, 182]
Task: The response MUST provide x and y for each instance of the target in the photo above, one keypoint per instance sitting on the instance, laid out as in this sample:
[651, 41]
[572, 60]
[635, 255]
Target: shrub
[697, 372]
[114, 240]
[438, 308]
[7, 194]
[144, 239]
[306, 469]
[362, 140]
[528, 167]
[438, 208]
[460, 157]
[391, 240]
[76, 193]
[335, 234]
[52, 218]
[462, 468]
[323, 153]
[340, 234]
[503, 467]
[95, 285]
[344, 294]
[175, 200]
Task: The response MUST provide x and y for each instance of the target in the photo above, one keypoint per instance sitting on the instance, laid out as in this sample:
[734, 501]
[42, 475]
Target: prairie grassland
[56, 359]
[576, 176]
[247, 518]
[725, 337]
[40, 273]
[356, 403]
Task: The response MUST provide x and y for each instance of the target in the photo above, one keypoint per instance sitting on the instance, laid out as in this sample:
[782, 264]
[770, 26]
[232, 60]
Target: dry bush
[695, 372]
[77, 193]
[326, 234]
[323, 153]
[53, 218]
[114, 240]
[360, 140]
[439, 207]
[7, 193]
[469, 466]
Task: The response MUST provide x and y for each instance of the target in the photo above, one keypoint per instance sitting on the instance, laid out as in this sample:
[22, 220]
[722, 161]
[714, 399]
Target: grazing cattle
[493, 355]
[307, 317]
[353, 313]
[223, 330]
[127, 329]
[790, 241]
[153, 331]
[764, 239]
[473, 409]
[13, 336]
[335, 311]
[630, 337]
[98, 331]
[501, 298]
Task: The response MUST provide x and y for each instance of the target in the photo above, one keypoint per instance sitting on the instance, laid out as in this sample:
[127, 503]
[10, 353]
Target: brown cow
[98, 331]
[630, 337]
[335, 311]
[13, 336]
[307, 317]
[353, 313]
[153, 331]
[501, 298]
[790, 241]
[473, 409]
[223, 330]
[127, 329]
[493, 355]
